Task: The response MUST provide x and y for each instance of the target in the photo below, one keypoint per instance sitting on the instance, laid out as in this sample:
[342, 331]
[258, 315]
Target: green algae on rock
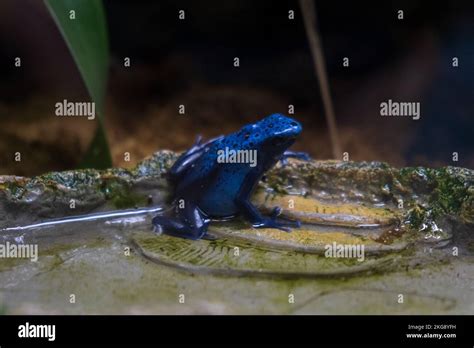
[57, 194]
[425, 197]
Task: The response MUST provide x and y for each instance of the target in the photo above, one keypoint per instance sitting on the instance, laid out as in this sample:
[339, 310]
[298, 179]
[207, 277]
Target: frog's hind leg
[188, 158]
[187, 223]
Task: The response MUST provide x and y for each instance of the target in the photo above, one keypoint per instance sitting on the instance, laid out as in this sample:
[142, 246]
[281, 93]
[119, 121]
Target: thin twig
[309, 17]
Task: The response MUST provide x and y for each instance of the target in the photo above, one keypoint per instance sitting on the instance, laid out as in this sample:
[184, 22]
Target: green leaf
[87, 39]
[98, 154]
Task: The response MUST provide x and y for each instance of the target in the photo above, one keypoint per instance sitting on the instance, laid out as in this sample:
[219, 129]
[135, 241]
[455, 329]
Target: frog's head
[271, 135]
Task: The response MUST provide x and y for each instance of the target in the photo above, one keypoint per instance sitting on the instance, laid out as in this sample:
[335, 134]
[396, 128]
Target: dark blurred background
[191, 62]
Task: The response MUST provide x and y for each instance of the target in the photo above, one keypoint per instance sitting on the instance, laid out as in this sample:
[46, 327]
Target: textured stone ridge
[424, 194]
[23, 200]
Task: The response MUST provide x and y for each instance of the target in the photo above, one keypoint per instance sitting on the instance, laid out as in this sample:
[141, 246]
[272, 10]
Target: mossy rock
[420, 198]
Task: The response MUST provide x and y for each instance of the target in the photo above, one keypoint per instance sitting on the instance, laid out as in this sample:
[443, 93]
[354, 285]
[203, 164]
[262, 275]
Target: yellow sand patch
[304, 236]
[313, 211]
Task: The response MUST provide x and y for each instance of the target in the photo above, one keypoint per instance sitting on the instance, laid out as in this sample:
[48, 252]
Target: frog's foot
[260, 221]
[294, 154]
[177, 228]
[283, 225]
[189, 224]
[274, 222]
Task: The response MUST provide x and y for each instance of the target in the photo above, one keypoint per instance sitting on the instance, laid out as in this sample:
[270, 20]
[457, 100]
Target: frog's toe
[209, 236]
[294, 223]
[289, 223]
[294, 154]
[277, 224]
[282, 228]
[157, 229]
[156, 226]
[304, 156]
[275, 212]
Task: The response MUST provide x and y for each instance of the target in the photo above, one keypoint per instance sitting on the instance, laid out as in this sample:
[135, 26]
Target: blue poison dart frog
[214, 180]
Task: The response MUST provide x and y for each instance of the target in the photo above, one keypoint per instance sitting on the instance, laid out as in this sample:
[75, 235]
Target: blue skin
[205, 189]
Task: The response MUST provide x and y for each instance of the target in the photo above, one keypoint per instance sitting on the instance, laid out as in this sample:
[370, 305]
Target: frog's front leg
[188, 222]
[255, 217]
[294, 154]
[260, 221]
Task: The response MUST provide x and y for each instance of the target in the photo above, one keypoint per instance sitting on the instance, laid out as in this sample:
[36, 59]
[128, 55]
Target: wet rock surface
[369, 232]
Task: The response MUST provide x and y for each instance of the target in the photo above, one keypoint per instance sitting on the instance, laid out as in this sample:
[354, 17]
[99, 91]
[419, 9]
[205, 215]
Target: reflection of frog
[206, 186]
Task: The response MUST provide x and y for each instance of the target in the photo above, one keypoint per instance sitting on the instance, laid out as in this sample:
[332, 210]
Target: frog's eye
[247, 135]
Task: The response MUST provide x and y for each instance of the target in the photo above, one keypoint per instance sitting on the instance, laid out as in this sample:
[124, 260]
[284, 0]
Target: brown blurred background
[191, 62]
